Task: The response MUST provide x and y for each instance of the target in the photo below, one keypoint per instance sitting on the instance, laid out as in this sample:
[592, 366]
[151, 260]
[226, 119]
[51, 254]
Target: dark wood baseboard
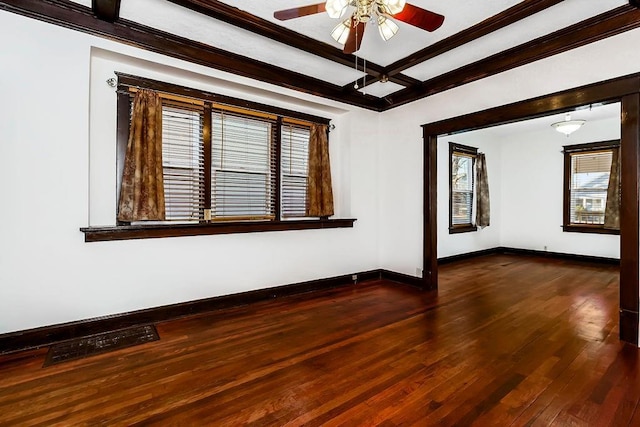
[559, 255]
[47, 335]
[405, 279]
[468, 255]
[528, 252]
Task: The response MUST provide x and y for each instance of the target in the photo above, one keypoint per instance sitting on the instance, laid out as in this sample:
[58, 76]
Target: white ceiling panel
[198, 27]
[83, 2]
[564, 14]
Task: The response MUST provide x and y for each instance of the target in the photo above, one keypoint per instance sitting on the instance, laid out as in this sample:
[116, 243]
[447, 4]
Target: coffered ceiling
[477, 39]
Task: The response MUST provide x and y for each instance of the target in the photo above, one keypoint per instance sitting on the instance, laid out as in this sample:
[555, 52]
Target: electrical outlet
[545, 249]
[354, 277]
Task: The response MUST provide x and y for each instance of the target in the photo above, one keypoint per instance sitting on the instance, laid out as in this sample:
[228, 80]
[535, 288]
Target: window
[295, 165]
[586, 184]
[182, 161]
[461, 187]
[242, 166]
[241, 172]
[229, 165]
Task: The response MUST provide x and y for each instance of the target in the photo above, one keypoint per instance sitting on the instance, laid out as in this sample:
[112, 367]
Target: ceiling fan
[349, 32]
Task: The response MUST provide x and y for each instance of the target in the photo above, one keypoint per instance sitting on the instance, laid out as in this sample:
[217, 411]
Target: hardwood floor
[507, 340]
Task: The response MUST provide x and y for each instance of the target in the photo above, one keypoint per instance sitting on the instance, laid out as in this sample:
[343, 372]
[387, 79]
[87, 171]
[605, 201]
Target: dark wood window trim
[567, 226]
[124, 231]
[187, 92]
[128, 232]
[458, 148]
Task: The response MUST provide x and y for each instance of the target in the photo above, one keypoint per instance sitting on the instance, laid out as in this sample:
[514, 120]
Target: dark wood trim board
[624, 89]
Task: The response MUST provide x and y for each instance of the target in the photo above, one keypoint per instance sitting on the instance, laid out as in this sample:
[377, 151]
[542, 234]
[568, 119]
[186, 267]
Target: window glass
[182, 163]
[241, 167]
[461, 188]
[587, 177]
[295, 168]
[462, 163]
[589, 183]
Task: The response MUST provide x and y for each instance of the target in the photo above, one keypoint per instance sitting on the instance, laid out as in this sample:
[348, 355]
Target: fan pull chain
[355, 86]
[364, 79]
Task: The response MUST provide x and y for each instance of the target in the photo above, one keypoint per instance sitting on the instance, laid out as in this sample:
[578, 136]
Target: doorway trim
[625, 90]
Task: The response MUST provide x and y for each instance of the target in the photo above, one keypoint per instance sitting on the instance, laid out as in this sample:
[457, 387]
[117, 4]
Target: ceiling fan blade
[297, 12]
[355, 38]
[420, 18]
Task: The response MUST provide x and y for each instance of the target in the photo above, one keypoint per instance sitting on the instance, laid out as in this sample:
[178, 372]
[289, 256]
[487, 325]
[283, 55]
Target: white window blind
[295, 168]
[242, 166]
[182, 161]
[462, 182]
[588, 187]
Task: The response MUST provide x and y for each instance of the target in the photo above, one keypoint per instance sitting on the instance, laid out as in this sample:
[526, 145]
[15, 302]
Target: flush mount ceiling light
[349, 31]
[568, 126]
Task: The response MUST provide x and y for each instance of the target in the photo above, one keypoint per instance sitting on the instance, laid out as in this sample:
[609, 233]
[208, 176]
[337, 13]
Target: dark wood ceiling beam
[107, 10]
[246, 21]
[611, 23]
[74, 16]
[512, 15]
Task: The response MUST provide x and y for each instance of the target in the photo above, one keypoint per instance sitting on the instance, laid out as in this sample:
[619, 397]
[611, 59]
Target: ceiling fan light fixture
[336, 8]
[341, 31]
[394, 6]
[568, 126]
[387, 28]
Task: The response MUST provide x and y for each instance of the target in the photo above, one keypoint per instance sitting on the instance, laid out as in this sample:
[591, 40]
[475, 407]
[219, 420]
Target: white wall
[532, 191]
[57, 174]
[401, 136]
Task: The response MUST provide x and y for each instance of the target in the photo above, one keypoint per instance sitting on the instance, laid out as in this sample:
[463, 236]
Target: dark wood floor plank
[507, 340]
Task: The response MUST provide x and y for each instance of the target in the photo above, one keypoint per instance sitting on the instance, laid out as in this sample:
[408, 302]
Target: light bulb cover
[567, 127]
[387, 28]
[395, 6]
[341, 31]
[336, 8]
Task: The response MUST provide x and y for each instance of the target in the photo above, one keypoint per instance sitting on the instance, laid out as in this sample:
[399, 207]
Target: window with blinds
[242, 166]
[294, 168]
[461, 187]
[587, 171]
[225, 162]
[182, 161]
[589, 183]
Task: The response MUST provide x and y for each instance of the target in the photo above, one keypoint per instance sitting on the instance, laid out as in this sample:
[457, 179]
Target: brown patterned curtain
[319, 190]
[612, 210]
[483, 211]
[142, 191]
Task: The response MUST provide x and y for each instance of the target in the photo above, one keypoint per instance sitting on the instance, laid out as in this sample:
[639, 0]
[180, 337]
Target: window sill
[598, 229]
[462, 229]
[128, 232]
